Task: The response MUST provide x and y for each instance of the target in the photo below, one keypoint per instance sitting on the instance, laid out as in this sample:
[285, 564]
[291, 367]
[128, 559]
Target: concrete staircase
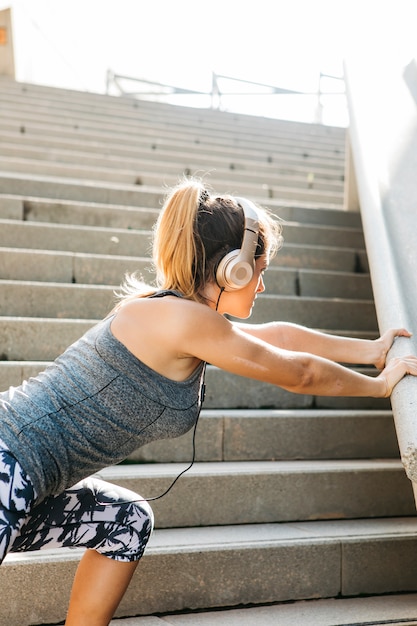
[292, 497]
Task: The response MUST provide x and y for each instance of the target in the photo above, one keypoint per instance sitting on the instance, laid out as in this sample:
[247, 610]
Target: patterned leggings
[92, 514]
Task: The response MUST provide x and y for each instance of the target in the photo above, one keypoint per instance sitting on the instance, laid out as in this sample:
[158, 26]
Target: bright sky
[72, 43]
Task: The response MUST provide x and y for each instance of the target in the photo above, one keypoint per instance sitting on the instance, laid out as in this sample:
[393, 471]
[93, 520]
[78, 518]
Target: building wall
[7, 67]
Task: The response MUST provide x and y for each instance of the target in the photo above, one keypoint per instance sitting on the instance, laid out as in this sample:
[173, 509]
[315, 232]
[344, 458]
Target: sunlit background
[285, 44]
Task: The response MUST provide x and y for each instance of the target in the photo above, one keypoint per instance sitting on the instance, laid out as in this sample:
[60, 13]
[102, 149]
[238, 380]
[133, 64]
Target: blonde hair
[193, 232]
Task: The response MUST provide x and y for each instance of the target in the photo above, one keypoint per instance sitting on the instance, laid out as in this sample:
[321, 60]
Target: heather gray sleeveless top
[91, 408]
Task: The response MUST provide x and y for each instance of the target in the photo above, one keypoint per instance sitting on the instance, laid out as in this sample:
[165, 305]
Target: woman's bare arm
[332, 347]
[212, 338]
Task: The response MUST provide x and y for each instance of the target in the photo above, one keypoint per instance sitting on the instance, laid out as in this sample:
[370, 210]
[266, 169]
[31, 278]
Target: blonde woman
[138, 376]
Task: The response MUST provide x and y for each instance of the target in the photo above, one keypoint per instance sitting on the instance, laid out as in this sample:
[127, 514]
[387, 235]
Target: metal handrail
[383, 138]
[151, 88]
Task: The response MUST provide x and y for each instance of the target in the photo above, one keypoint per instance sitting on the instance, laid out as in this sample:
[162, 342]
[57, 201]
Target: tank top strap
[166, 292]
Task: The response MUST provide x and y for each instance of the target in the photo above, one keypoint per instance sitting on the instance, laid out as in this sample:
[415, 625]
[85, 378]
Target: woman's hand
[384, 343]
[396, 369]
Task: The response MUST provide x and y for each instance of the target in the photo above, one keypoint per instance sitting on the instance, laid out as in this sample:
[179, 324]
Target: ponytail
[176, 245]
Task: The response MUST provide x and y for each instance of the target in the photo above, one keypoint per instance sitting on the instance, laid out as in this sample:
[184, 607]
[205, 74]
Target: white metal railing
[383, 137]
[234, 94]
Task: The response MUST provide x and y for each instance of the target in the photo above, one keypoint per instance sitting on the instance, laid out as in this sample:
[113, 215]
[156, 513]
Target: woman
[138, 376]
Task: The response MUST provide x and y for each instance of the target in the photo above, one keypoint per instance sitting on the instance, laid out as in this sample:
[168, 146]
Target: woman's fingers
[396, 369]
[385, 342]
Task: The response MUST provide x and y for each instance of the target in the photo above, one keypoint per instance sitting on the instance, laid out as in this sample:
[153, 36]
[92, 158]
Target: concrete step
[83, 268]
[152, 111]
[289, 190]
[277, 434]
[395, 610]
[55, 300]
[90, 191]
[280, 186]
[164, 116]
[77, 213]
[31, 208]
[158, 142]
[20, 147]
[258, 492]
[102, 216]
[71, 267]
[65, 237]
[60, 300]
[43, 237]
[330, 285]
[182, 161]
[167, 121]
[134, 243]
[29, 338]
[315, 215]
[322, 257]
[226, 138]
[190, 569]
[317, 312]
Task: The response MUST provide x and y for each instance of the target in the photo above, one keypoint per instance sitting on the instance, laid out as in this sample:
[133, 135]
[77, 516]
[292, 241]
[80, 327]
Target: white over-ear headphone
[235, 269]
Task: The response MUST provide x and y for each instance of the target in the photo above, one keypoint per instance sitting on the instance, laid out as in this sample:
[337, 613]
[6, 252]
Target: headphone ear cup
[232, 273]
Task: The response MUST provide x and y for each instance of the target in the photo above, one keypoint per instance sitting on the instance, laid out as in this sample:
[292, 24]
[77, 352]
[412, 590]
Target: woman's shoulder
[166, 321]
[164, 310]
[156, 331]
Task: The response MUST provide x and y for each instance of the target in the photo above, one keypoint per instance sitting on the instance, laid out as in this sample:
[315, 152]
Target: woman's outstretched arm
[214, 339]
[333, 347]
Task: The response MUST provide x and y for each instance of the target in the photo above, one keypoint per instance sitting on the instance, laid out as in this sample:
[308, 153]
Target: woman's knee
[127, 521]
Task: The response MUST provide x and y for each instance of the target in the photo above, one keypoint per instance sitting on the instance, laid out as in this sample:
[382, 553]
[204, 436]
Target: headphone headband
[235, 269]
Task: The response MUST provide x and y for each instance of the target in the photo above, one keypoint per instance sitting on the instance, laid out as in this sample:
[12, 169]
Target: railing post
[109, 80]
[351, 197]
[215, 91]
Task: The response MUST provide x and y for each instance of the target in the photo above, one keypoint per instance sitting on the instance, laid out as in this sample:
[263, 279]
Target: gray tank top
[91, 408]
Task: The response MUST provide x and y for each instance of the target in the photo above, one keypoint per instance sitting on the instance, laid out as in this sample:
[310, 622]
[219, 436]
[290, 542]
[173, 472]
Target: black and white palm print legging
[92, 514]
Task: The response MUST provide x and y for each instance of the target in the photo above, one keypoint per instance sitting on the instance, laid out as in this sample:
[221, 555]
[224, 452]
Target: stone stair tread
[122, 243]
[395, 610]
[53, 96]
[33, 210]
[165, 148]
[183, 161]
[214, 537]
[180, 135]
[32, 234]
[322, 313]
[144, 172]
[279, 434]
[75, 189]
[296, 171]
[269, 491]
[340, 555]
[227, 468]
[325, 530]
[290, 214]
[140, 119]
[96, 178]
[67, 268]
[62, 300]
[70, 267]
[313, 235]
